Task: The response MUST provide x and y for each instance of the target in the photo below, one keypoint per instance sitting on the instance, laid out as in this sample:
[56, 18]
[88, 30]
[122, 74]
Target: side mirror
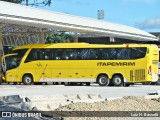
[3, 66]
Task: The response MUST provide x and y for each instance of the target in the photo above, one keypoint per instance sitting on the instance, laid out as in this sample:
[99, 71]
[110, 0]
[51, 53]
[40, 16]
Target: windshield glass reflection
[12, 61]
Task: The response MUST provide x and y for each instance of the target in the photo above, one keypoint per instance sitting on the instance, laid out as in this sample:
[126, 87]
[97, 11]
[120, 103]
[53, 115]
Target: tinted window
[12, 61]
[121, 53]
[138, 53]
[124, 53]
[87, 54]
[20, 52]
[40, 54]
[69, 54]
[114, 54]
[32, 56]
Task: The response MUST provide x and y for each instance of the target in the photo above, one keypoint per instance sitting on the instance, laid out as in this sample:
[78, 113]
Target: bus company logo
[6, 114]
[116, 64]
[39, 65]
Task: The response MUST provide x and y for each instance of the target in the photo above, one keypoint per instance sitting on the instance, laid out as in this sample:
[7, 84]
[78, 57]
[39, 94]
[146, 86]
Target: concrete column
[75, 38]
[41, 37]
[112, 39]
[0, 48]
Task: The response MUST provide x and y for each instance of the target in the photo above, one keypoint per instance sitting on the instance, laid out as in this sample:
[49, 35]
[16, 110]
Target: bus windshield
[11, 61]
[20, 52]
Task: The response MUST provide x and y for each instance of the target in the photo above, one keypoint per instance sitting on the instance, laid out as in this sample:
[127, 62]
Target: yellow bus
[116, 65]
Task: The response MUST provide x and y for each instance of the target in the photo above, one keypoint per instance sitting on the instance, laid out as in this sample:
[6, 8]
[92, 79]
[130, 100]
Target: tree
[56, 37]
[41, 3]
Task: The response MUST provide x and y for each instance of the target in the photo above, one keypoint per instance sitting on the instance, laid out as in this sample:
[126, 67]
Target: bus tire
[103, 80]
[117, 80]
[27, 79]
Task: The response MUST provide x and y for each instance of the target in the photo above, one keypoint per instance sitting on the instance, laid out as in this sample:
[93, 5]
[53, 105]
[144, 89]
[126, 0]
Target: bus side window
[59, 54]
[78, 52]
[69, 54]
[106, 54]
[84, 54]
[31, 56]
[93, 54]
[113, 54]
[73, 54]
[138, 53]
[53, 54]
[47, 54]
[40, 53]
[102, 54]
[65, 55]
[123, 53]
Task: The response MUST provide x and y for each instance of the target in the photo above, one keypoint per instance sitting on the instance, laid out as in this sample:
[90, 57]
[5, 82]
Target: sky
[142, 14]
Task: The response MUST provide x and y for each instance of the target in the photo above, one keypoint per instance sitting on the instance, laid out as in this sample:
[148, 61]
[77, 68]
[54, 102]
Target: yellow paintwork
[68, 69]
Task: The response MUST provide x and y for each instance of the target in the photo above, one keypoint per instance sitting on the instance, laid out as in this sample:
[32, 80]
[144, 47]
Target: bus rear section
[158, 82]
[153, 60]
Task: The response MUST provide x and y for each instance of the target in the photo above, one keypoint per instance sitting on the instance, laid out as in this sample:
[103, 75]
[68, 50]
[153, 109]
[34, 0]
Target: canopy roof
[23, 15]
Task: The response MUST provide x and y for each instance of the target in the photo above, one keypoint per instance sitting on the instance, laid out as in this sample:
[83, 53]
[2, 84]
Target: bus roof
[78, 45]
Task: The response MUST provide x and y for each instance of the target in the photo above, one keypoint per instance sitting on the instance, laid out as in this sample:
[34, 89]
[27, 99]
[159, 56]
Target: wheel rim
[28, 80]
[103, 80]
[118, 81]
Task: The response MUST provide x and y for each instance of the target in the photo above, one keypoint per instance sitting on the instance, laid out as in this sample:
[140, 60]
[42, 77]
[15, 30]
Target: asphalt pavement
[105, 92]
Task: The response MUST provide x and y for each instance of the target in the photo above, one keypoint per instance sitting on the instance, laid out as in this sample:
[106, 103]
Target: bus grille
[137, 75]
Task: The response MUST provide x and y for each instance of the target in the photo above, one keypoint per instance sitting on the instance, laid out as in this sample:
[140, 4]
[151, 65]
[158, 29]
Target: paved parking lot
[23, 90]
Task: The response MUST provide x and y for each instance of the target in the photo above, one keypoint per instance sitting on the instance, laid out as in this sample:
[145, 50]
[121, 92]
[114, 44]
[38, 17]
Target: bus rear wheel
[27, 79]
[117, 80]
[103, 80]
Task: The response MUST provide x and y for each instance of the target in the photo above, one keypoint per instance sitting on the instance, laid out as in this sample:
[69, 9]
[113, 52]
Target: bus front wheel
[27, 79]
[103, 80]
[117, 80]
